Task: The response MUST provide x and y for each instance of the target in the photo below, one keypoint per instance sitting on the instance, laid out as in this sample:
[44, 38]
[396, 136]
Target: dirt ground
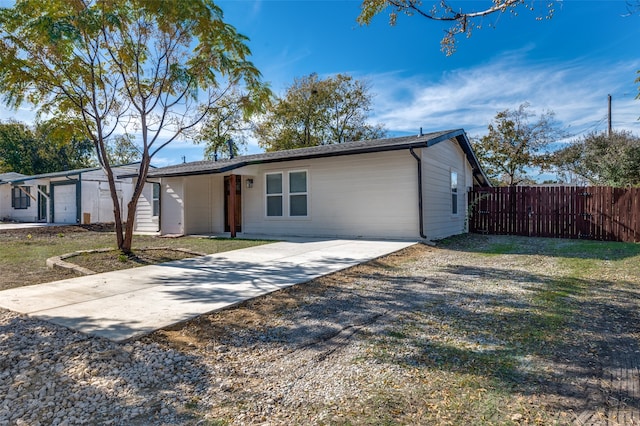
[477, 330]
[444, 335]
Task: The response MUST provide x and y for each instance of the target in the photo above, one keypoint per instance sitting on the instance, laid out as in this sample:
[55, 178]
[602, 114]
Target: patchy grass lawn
[479, 330]
[491, 330]
[25, 251]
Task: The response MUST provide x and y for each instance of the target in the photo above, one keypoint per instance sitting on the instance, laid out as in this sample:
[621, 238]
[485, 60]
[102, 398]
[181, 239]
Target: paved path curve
[120, 305]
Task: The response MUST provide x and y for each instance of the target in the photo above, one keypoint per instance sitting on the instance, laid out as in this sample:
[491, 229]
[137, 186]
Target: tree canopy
[315, 112]
[463, 19]
[601, 159]
[156, 67]
[48, 147]
[122, 149]
[517, 141]
[224, 131]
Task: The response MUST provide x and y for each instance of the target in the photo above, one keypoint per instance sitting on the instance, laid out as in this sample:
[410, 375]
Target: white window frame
[291, 194]
[286, 195]
[454, 185]
[281, 194]
[155, 200]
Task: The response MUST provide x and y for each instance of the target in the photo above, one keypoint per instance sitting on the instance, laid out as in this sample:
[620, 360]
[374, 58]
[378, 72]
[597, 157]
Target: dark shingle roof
[347, 148]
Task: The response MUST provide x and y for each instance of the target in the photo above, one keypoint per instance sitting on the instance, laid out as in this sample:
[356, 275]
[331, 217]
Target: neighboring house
[74, 196]
[10, 175]
[3, 178]
[399, 188]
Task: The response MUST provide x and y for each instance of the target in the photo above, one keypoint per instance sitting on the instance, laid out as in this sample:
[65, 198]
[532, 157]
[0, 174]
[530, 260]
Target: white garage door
[64, 204]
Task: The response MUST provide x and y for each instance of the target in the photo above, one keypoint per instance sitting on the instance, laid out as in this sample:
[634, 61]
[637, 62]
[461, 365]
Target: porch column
[231, 205]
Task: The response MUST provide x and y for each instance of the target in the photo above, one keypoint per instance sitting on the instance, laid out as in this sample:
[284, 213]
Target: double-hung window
[274, 194]
[287, 194]
[20, 197]
[298, 193]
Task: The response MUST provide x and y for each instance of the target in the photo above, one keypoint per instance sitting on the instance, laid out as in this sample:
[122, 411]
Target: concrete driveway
[120, 305]
[20, 225]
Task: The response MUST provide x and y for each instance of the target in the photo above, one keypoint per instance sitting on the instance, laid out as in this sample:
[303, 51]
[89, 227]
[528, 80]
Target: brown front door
[233, 204]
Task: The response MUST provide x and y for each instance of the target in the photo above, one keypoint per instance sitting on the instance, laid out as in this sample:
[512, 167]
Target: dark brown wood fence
[596, 213]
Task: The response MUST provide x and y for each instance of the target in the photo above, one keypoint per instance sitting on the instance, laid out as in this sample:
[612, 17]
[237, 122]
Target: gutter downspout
[420, 209]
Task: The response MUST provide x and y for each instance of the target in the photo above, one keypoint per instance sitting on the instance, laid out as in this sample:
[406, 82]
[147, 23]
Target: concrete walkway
[120, 305]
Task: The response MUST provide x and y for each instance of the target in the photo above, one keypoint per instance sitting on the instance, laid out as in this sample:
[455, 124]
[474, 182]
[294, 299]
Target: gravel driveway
[427, 335]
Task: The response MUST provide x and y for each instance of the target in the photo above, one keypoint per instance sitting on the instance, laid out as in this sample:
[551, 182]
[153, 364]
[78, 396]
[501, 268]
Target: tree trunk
[127, 240]
[117, 213]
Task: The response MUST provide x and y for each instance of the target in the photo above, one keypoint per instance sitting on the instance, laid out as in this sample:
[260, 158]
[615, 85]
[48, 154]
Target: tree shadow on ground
[535, 333]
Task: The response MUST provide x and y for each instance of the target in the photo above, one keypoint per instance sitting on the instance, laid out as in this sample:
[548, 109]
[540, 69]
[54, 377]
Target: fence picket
[600, 213]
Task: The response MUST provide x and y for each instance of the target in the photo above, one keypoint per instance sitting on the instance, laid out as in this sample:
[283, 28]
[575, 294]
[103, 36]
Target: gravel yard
[478, 330]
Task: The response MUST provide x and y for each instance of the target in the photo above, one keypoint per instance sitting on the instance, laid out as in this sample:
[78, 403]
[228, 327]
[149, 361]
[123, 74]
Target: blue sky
[568, 64]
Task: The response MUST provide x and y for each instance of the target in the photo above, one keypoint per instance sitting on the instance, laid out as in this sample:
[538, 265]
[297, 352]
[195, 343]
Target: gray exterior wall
[438, 161]
[367, 195]
[372, 195]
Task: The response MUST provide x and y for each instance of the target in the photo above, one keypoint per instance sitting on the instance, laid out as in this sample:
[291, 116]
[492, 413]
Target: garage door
[64, 204]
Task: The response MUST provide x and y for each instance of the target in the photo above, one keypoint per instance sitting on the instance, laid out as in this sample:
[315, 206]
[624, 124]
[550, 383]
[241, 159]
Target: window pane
[20, 198]
[156, 199]
[274, 205]
[454, 203]
[297, 182]
[298, 205]
[274, 183]
[454, 182]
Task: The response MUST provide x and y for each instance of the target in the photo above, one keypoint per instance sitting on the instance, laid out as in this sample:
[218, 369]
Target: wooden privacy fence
[594, 212]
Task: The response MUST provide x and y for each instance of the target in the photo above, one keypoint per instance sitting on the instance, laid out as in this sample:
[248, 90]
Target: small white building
[67, 197]
[399, 188]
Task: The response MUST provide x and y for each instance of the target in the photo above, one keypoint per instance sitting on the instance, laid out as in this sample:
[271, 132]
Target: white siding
[96, 202]
[145, 221]
[368, 195]
[172, 202]
[204, 212]
[438, 161]
[5, 201]
[29, 214]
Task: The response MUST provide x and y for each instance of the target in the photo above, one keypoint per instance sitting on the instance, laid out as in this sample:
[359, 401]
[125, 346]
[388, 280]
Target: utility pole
[609, 115]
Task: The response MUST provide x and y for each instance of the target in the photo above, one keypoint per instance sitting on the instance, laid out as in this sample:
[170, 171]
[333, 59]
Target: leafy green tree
[518, 140]
[155, 66]
[122, 149]
[601, 159]
[17, 148]
[224, 131]
[43, 149]
[318, 112]
[62, 146]
[463, 19]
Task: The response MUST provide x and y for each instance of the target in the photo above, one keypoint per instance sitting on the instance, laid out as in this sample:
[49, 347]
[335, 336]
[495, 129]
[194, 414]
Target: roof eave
[363, 150]
[68, 173]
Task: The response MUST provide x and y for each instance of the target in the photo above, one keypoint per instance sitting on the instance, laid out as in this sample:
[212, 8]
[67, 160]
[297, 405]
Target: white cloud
[469, 98]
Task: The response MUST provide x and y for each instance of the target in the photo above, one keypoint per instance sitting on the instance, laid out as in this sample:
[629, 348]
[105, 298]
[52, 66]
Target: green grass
[37, 248]
[469, 368]
[23, 254]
